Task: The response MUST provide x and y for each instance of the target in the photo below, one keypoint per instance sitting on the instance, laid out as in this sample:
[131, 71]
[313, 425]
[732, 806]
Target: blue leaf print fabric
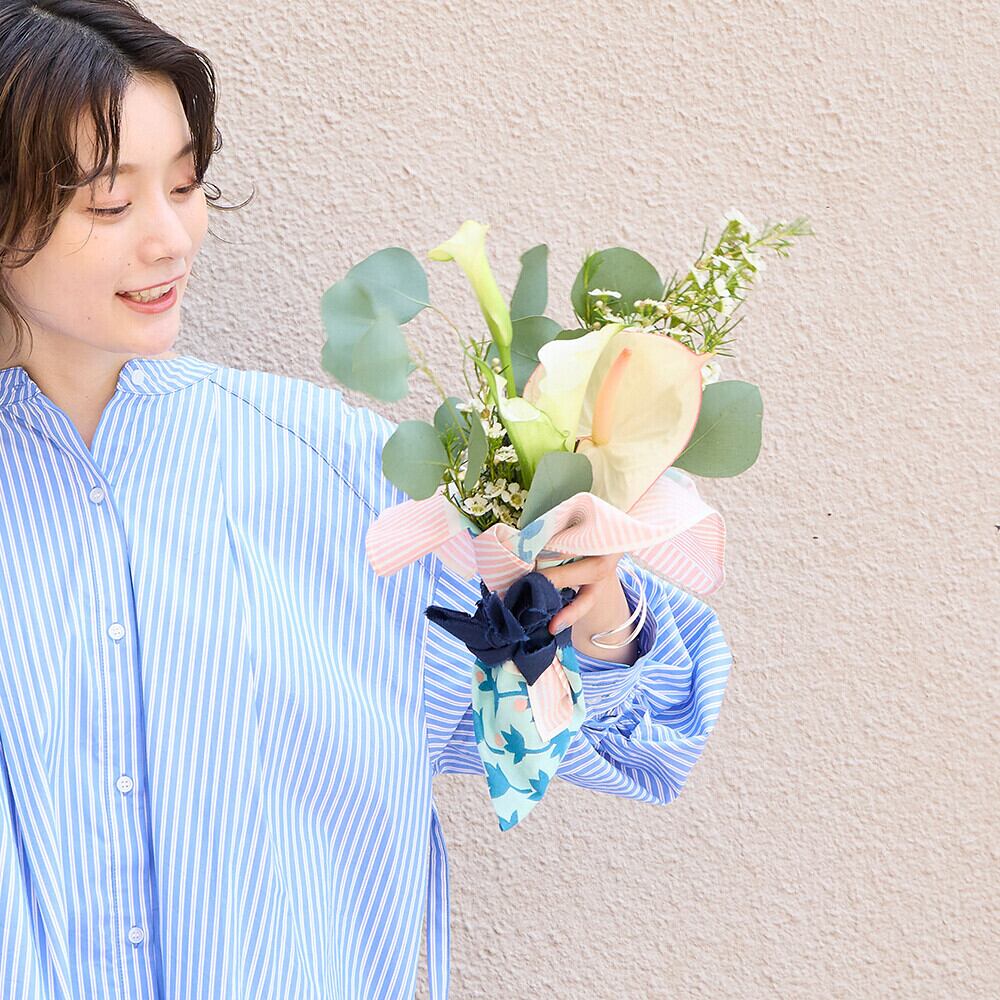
[518, 763]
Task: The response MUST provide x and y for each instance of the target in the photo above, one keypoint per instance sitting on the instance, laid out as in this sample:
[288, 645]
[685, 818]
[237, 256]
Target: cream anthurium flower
[557, 386]
[638, 413]
[468, 249]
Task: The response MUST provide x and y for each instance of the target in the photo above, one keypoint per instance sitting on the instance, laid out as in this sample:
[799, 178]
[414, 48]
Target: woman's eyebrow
[127, 168]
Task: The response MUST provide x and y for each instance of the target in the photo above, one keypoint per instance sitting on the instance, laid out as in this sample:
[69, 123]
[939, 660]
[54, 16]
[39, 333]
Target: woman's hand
[600, 604]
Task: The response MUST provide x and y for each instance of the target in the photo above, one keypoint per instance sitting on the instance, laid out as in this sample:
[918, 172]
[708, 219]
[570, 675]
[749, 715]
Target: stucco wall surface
[838, 838]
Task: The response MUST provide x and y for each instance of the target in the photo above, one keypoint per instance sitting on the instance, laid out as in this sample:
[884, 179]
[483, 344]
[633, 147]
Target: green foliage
[531, 294]
[726, 439]
[620, 270]
[531, 333]
[414, 459]
[452, 425]
[478, 447]
[365, 348]
[559, 475]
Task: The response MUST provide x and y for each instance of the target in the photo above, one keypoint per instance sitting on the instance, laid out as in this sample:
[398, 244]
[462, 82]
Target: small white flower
[463, 407]
[494, 488]
[516, 495]
[506, 453]
[710, 372]
[605, 292]
[732, 215]
[505, 515]
[476, 505]
[496, 429]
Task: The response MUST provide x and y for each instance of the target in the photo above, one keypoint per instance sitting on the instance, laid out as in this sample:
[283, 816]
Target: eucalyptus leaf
[414, 460]
[559, 475]
[365, 349]
[726, 439]
[478, 447]
[621, 270]
[395, 280]
[530, 334]
[449, 419]
[531, 294]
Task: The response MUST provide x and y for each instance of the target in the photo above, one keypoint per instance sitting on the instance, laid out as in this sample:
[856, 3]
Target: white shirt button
[116, 631]
[136, 935]
[138, 375]
[124, 784]
[97, 494]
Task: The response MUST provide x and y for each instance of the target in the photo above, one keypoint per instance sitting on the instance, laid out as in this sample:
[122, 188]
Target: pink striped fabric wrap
[669, 531]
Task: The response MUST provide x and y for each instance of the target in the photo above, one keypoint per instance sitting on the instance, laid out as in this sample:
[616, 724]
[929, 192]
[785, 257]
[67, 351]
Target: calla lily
[468, 249]
[530, 430]
[638, 413]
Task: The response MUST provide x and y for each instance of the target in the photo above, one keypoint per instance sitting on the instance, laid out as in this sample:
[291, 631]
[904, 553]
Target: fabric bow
[514, 627]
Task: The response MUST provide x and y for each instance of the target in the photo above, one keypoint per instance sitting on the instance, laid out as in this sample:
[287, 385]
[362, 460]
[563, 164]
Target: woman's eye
[187, 189]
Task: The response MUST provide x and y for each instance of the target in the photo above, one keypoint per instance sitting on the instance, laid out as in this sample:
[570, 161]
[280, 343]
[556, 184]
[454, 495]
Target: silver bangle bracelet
[640, 611]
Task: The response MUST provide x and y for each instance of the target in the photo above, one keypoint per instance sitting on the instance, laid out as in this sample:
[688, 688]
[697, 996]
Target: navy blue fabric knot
[515, 627]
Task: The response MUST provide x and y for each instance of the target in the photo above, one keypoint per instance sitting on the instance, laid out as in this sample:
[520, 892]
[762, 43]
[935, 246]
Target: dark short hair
[62, 61]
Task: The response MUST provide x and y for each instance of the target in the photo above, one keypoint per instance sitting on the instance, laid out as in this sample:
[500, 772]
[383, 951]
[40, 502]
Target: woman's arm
[646, 723]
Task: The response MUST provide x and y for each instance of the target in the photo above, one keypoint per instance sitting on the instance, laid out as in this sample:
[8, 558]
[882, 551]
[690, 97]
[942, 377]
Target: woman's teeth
[149, 294]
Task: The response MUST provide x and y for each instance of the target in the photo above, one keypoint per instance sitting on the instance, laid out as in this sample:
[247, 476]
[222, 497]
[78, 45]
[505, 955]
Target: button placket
[129, 886]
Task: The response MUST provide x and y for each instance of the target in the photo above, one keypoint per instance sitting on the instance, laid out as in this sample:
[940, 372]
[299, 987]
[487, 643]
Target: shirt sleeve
[646, 724]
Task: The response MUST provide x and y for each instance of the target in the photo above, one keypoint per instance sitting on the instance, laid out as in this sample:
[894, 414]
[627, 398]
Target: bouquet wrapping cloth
[526, 707]
[513, 648]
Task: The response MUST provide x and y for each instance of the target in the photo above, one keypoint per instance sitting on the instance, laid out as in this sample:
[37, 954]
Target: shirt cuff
[646, 637]
[607, 683]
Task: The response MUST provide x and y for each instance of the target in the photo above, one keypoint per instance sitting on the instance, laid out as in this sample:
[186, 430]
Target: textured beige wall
[838, 839]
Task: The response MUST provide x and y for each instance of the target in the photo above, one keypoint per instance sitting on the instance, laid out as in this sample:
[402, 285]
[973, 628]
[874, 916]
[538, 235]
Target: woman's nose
[166, 233]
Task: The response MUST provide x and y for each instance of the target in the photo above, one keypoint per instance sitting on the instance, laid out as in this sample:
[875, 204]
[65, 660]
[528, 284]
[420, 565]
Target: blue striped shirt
[219, 728]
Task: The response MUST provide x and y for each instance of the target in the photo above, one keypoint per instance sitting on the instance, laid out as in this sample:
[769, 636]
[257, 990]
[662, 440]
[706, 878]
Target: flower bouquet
[572, 442]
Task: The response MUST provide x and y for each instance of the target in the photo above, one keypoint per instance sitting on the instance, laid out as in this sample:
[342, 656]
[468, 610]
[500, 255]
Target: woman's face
[144, 231]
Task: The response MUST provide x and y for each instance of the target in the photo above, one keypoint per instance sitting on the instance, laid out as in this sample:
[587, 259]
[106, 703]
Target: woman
[218, 727]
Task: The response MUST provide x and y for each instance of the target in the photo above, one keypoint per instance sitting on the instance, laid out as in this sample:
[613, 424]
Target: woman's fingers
[591, 569]
[575, 610]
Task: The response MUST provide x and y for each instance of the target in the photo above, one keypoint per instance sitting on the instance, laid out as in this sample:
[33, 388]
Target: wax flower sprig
[603, 406]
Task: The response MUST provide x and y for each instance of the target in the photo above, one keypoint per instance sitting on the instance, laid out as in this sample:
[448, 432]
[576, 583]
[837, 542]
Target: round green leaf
[365, 349]
[449, 418]
[395, 280]
[559, 475]
[531, 333]
[452, 425]
[726, 439]
[620, 270]
[414, 460]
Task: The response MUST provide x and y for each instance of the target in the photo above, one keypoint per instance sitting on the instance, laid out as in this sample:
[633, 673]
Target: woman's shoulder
[348, 437]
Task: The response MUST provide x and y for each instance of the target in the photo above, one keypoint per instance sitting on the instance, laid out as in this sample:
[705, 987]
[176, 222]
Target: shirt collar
[139, 376]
